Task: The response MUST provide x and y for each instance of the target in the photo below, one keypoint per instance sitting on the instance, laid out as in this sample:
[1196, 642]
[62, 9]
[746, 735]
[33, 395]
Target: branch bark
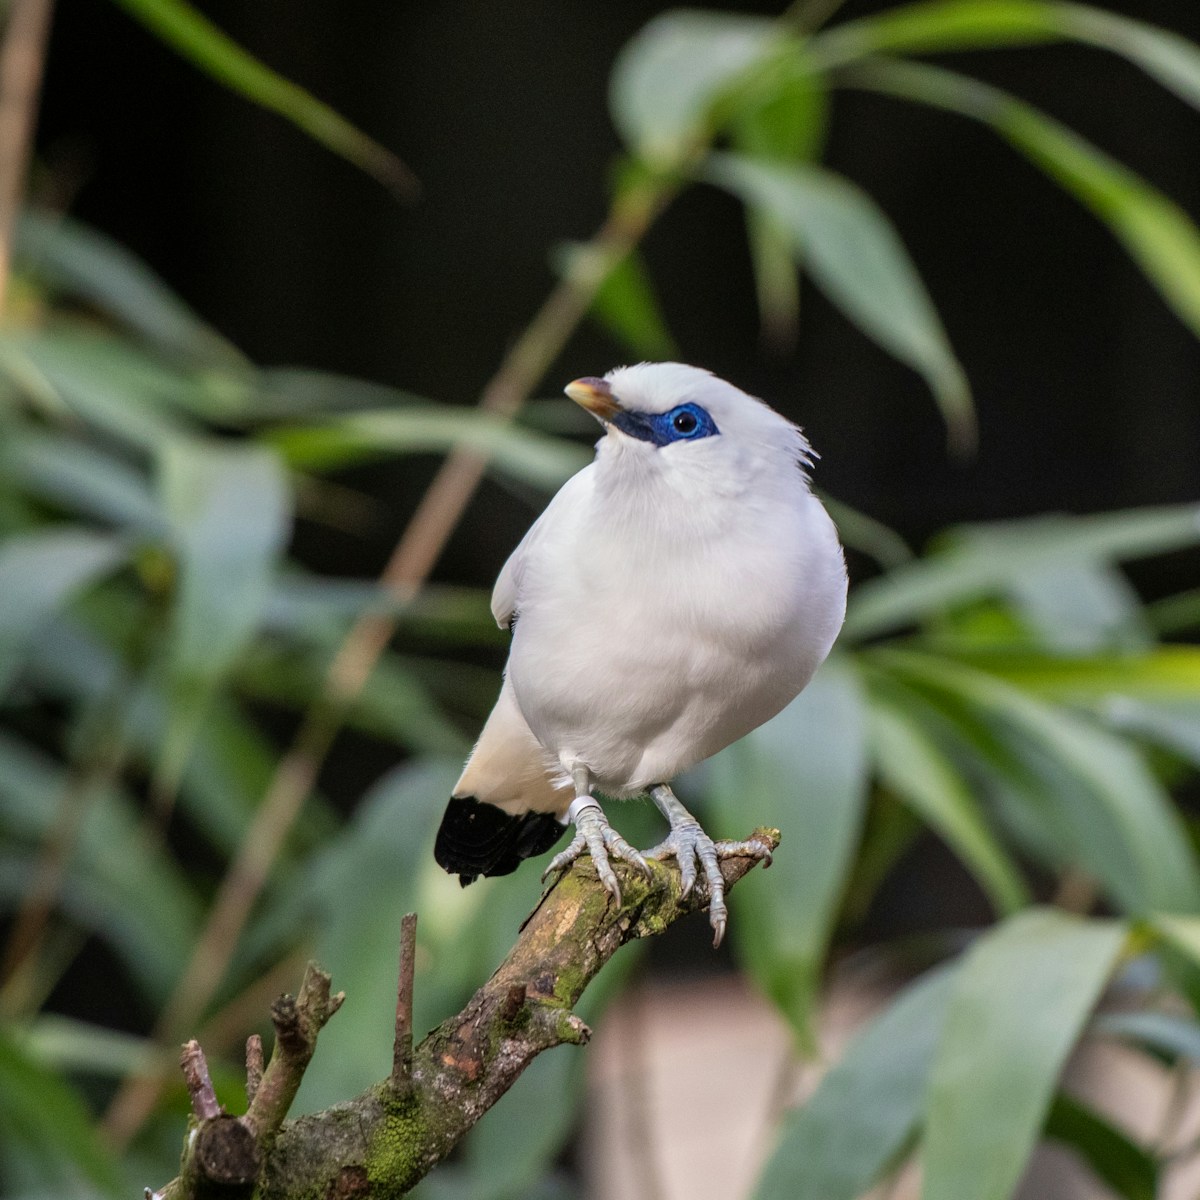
[380, 1144]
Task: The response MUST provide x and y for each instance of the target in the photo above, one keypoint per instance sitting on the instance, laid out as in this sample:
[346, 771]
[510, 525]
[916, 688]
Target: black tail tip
[476, 838]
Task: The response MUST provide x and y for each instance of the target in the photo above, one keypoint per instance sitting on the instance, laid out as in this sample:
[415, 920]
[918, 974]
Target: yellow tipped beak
[595, 395]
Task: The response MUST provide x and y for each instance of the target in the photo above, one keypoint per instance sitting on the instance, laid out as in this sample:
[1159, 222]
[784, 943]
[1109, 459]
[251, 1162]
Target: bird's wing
[506, 595]
[508, 585]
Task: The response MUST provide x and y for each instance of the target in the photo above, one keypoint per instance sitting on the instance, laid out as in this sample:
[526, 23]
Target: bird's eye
[685, 422]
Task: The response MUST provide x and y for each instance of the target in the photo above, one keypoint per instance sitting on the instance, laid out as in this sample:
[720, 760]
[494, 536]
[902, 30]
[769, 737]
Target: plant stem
[413, 559]
[22, 57]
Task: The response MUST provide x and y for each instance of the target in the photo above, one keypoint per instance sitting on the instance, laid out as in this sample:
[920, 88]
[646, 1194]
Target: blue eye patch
[684, 423]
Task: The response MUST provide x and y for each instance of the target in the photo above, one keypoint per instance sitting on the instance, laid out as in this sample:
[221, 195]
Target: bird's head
[688, 423]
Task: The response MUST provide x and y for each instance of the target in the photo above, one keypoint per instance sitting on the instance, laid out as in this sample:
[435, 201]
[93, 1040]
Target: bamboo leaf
[955, 25]
[48, 1140]
[199, 41]
[66, 1044]
[356, 928]
[626, 305]
[39, 573]
[78, 260]
[783, 119]
[1164, 673]
[667, 79]
[804, 770]
[981, 560]
[913, 766]
[867, 1108]
[117, 864]
[1113, 1156]
[1089, 795]
[82, 479]
[1080, 608]
[1159, 236]
[1017, 1006]
[860, 531]
[1167, 1036]
[528, 456]
[392, 704]
[856, 257]
[101, 381]
[230, 513]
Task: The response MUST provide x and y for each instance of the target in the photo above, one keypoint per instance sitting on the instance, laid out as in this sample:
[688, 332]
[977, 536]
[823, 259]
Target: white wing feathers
[506, 594]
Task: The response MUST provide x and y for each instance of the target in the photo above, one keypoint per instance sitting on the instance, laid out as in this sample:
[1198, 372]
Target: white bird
[676, 593]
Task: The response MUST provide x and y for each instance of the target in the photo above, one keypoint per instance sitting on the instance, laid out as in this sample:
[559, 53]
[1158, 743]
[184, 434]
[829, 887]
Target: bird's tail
[506, 807]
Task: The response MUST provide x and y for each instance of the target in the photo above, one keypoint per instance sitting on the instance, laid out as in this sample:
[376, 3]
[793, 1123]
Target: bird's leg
[690, 845]
[596, 836]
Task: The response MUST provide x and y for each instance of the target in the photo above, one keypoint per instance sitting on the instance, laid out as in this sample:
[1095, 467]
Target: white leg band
[578, 805]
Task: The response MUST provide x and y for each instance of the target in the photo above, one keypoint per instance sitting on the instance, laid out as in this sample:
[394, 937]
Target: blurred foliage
[1006, 691]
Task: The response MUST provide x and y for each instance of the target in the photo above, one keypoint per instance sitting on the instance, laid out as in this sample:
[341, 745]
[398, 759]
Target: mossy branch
[380, 1144]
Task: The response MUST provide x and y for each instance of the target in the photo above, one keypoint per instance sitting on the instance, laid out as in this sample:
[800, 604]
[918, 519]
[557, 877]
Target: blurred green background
[232, 362]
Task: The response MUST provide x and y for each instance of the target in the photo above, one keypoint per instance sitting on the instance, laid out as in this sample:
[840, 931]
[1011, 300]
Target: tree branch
[380, 1144]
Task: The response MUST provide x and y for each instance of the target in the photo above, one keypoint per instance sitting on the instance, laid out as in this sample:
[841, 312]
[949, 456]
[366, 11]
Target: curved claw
[561, 861]
[598, 838]
[694, 850]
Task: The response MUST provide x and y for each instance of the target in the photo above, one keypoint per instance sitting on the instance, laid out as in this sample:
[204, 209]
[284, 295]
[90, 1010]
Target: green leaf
[1130, 1171]
[856, 257]
[1182, 932]
[104, 382]
[357, 929]
[82, 479]
[1079, 608]
[39, 573]
[1158, 235]
[804, 771]
[1087, 795]
[867, 1107]
[1164, 1034]
[1017, 1006]
[981, 560]
[949, 25]
[1165, 56]
[77, 260]
[231, 761]
[117, 864]
[528, 456]
[65, 1044]
[1175, 614]
[784, 119]
[668, 78]
[46, 1136]
[943, 25]
[1164, 673]
[912, 765]
[625, 303]
[199, 41]
[318, 609]
[1153, 696]
[230, 513]
[301, 391]
[860, 531]
[392, 704]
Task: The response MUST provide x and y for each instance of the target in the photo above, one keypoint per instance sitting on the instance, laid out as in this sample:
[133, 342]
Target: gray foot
[595, 836]
[695, 851]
